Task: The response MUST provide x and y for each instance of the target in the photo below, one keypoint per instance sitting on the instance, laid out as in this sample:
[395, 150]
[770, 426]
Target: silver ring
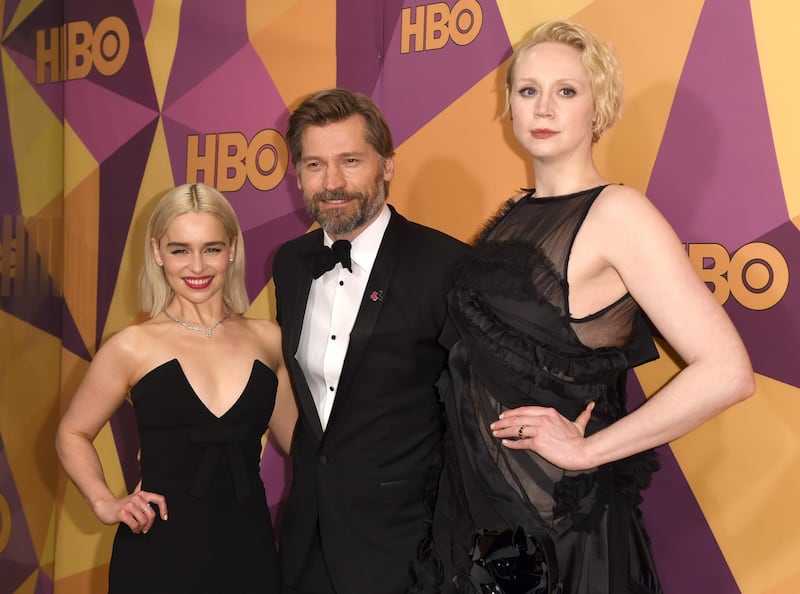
[520, 435]
[146, 507]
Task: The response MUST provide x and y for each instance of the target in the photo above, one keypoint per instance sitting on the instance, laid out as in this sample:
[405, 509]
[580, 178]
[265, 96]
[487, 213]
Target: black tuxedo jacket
[369, 479]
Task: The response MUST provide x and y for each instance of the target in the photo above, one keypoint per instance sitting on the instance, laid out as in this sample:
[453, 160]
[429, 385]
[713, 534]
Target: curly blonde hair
[598, 58]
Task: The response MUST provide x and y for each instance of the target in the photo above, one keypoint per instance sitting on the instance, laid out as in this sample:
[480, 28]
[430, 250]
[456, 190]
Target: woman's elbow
[741, 382]
[746, 386]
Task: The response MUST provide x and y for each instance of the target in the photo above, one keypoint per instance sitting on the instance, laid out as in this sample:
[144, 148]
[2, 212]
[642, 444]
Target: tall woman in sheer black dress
[541, 491]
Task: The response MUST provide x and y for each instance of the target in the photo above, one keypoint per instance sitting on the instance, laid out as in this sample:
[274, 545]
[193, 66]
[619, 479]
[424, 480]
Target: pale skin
[195, 254]
[624, 245]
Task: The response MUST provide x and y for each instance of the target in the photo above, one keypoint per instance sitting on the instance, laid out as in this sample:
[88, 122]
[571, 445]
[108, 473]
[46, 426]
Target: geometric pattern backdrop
[106, 105]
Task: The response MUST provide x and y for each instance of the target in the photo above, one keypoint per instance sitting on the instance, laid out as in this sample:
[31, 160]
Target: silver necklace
[206, 331]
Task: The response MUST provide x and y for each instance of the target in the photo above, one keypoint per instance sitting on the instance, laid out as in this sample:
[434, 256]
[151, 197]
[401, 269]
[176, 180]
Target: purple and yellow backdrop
[106, 105]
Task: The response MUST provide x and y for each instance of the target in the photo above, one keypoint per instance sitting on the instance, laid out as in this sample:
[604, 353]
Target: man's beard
[343, 221]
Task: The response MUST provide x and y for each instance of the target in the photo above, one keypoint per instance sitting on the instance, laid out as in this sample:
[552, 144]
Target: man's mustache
[331, 195]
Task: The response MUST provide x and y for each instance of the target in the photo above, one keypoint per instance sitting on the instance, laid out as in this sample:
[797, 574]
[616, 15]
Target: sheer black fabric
[520, 346]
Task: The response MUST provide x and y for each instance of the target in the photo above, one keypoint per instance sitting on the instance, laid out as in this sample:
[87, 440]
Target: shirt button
[333, 337]
[323, 460]
[330, 388]
[341, 283]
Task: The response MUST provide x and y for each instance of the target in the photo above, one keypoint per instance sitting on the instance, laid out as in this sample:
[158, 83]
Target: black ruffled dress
[580, 532]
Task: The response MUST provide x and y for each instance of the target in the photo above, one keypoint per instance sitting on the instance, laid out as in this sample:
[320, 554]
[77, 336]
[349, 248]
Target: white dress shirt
[331, 311]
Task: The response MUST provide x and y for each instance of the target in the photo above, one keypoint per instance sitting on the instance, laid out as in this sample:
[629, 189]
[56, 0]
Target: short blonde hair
[154, 291]
[598, 58]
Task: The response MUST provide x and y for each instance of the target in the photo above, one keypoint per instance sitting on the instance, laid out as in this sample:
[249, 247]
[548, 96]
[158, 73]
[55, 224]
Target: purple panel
[51, 93]
[21, 48]
[120, 179]
[9, 196]
[716, 176]
[144, 9]
[686, 553]
[133, 80]
[176, 134]
[286, 218]
[210, 33]
[70, 337]
[10, 8]
[238, 97]
[254, 207]
[275, 470]
[18, 559]
[264, 241]
[44, 312]
[688, 558]
[361, 34]
[44, 585]
[763, 330]
[414, 87]
[102, 119]
[50, 13]
[284, 212]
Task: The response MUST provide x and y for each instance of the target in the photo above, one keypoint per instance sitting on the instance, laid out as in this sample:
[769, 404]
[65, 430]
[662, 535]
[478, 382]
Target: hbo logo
[228, 160]
[70, 51]
[757, 275]
[435, 24]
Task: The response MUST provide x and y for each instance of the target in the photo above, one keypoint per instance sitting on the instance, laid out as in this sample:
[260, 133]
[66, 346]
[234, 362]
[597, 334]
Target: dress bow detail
[218, 440]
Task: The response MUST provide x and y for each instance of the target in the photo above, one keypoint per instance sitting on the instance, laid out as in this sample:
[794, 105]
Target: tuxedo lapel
[293, 326]
[371, 305]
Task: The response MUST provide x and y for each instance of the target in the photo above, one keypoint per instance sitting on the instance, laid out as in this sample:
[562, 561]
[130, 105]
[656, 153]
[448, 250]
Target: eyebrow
[562, 81]
[344, 155]
[185, 244]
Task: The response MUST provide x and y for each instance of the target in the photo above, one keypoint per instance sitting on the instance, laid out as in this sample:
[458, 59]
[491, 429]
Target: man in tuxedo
[362, 305]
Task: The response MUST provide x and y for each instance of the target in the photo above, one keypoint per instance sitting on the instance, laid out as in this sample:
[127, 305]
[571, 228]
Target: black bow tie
[325, 258]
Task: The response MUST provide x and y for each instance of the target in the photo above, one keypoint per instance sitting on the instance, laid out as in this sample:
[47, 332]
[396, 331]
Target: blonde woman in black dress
[205, 383]
[541, 491]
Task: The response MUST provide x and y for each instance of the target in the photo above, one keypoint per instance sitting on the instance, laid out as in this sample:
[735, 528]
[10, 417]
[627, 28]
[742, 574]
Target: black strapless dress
[218, 537]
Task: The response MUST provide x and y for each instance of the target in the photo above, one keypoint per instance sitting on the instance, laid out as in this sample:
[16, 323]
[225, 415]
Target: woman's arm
[101, 392]
[284, 415]
[629, 233]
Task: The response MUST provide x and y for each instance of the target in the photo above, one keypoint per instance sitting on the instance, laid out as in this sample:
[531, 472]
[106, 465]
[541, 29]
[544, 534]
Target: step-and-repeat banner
[106, 105]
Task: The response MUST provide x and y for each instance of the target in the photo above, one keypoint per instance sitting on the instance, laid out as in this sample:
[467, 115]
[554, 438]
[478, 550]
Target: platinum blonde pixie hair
[598, 58]
[154, 291]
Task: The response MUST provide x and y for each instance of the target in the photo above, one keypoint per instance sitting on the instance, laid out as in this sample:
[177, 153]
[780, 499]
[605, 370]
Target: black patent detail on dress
[512, 562]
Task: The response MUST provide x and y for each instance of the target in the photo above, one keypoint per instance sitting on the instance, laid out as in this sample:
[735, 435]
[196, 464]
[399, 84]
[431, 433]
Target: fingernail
[144, 531]
[165, 517]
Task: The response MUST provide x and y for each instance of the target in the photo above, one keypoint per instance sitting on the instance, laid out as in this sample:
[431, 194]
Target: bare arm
[100, 394]
[639, 244]
[284, 415]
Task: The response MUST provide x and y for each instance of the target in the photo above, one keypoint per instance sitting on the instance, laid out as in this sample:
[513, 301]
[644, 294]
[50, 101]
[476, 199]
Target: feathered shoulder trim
[492, 221]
